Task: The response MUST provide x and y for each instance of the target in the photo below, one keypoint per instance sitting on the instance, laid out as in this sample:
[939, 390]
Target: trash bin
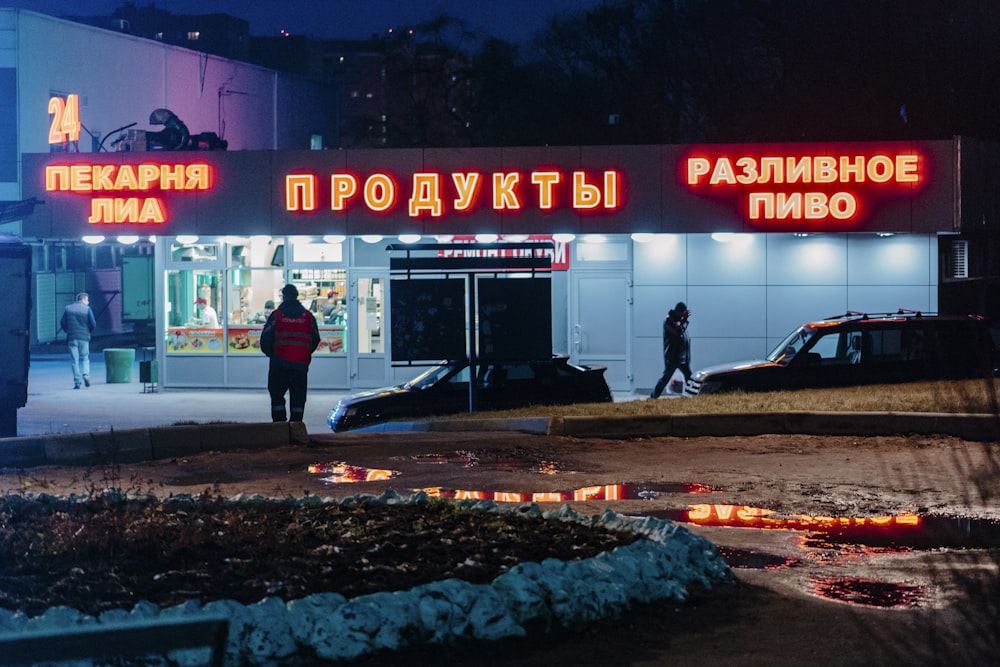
[118, 364]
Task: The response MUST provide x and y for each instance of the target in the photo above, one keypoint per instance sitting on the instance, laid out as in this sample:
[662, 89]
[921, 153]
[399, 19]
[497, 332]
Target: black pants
[669, 366]
[281, 379]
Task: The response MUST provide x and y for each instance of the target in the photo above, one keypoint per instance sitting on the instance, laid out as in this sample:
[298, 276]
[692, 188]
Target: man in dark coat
[289, 338]
[78, 322]
[676, 347]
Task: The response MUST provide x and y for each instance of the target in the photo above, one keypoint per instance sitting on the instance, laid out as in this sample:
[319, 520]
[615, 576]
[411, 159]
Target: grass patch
[963, 396]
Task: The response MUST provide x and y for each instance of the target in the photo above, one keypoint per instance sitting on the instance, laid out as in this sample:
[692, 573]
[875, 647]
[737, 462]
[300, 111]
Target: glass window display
[192, 311]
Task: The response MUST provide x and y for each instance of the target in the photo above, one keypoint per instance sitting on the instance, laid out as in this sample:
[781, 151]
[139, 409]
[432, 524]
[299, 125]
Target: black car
[444, 389]
[860, 348]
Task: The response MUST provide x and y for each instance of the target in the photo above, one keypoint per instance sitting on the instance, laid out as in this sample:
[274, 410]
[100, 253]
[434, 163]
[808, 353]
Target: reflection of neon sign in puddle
[341, 473]
[742, 516]
[597, 492]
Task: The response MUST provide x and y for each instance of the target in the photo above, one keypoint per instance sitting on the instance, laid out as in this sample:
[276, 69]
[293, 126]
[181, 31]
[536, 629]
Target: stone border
[528, 599]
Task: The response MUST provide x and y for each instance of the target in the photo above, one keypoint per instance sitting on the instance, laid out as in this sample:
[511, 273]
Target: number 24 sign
[65, 119]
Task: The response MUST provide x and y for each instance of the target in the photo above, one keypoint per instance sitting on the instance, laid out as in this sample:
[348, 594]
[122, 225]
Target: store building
[754, 238]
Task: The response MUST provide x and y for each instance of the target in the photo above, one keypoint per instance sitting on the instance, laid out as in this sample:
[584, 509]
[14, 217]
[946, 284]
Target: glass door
[367, 301]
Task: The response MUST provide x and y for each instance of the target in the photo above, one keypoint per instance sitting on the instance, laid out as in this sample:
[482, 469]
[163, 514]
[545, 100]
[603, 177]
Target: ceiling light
[93, 239]
[486, 238]
[187, 239]
[642, 237]
[334, 238]
[563, 238]
[128, 239]
[408, 238]
[371, 238]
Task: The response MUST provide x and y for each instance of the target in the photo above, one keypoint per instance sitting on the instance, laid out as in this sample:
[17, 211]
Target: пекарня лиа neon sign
[437, 194]
[802, 187]
[146, 177]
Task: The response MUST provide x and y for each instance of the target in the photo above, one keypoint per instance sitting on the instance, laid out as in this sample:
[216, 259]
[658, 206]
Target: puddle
[646, 491]
[866, 592]
[493, 459]
[881, 534]
[342, 473]
[750, 559]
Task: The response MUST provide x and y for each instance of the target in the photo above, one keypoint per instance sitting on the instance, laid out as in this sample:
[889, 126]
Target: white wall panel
[740, 261]
[647, 360]
[728, 310]
[651, 306]
[789, 306]
[810, 260]
[660, 261]
[891, 260]
[887, 299]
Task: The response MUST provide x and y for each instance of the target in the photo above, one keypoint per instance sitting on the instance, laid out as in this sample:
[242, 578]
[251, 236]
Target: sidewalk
[55, 407]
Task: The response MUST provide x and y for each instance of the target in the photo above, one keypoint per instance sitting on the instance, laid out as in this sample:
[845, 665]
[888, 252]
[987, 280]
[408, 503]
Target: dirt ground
[787, 510]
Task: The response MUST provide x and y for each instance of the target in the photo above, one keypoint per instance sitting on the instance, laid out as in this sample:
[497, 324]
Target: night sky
[514, 20]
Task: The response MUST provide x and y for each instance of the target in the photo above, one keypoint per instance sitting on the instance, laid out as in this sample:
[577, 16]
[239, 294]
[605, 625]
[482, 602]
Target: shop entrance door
[601, 323]
[368, 352]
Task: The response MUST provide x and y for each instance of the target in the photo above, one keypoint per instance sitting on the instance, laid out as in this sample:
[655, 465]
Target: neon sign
[558, 254]
[143, 178]
[803, 188]
[436, 194]
[65, 126]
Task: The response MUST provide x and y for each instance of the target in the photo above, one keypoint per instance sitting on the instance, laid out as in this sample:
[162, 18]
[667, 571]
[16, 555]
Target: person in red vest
[289, 338]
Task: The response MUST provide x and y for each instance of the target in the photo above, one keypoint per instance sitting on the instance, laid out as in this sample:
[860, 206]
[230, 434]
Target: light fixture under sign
[92, 239]
[128, 239]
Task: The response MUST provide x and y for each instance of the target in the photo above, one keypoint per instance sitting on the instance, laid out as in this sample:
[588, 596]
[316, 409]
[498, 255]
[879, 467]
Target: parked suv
[862, 348]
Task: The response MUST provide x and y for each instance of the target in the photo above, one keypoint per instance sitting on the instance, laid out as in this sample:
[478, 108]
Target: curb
[145, 444]
[974, 427]
[148, 444]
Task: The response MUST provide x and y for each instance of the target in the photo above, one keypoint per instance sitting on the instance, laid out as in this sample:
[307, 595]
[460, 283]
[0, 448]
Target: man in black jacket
[676, 347]
[78, 322]
[289, 338]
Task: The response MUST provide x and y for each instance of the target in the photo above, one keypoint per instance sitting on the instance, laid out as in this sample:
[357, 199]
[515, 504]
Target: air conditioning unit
[958, 260]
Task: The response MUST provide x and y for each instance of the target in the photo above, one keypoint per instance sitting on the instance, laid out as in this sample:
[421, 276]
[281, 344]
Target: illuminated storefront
[756, 238]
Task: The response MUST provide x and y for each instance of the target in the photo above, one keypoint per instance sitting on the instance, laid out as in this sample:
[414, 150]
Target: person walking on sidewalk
[289, 338]
[676, 347]
[78, 322]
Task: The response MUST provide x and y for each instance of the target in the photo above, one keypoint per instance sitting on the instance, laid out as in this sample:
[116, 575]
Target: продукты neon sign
[437, 194]
[803, 188]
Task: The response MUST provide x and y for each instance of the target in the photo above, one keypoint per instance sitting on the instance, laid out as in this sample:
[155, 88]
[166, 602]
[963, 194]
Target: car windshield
[786, 350]
[430, 377]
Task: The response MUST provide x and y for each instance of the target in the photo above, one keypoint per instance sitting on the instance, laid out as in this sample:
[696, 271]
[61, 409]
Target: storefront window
[194, 252]
[223, 305]
[192, 311]
[324, 292]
